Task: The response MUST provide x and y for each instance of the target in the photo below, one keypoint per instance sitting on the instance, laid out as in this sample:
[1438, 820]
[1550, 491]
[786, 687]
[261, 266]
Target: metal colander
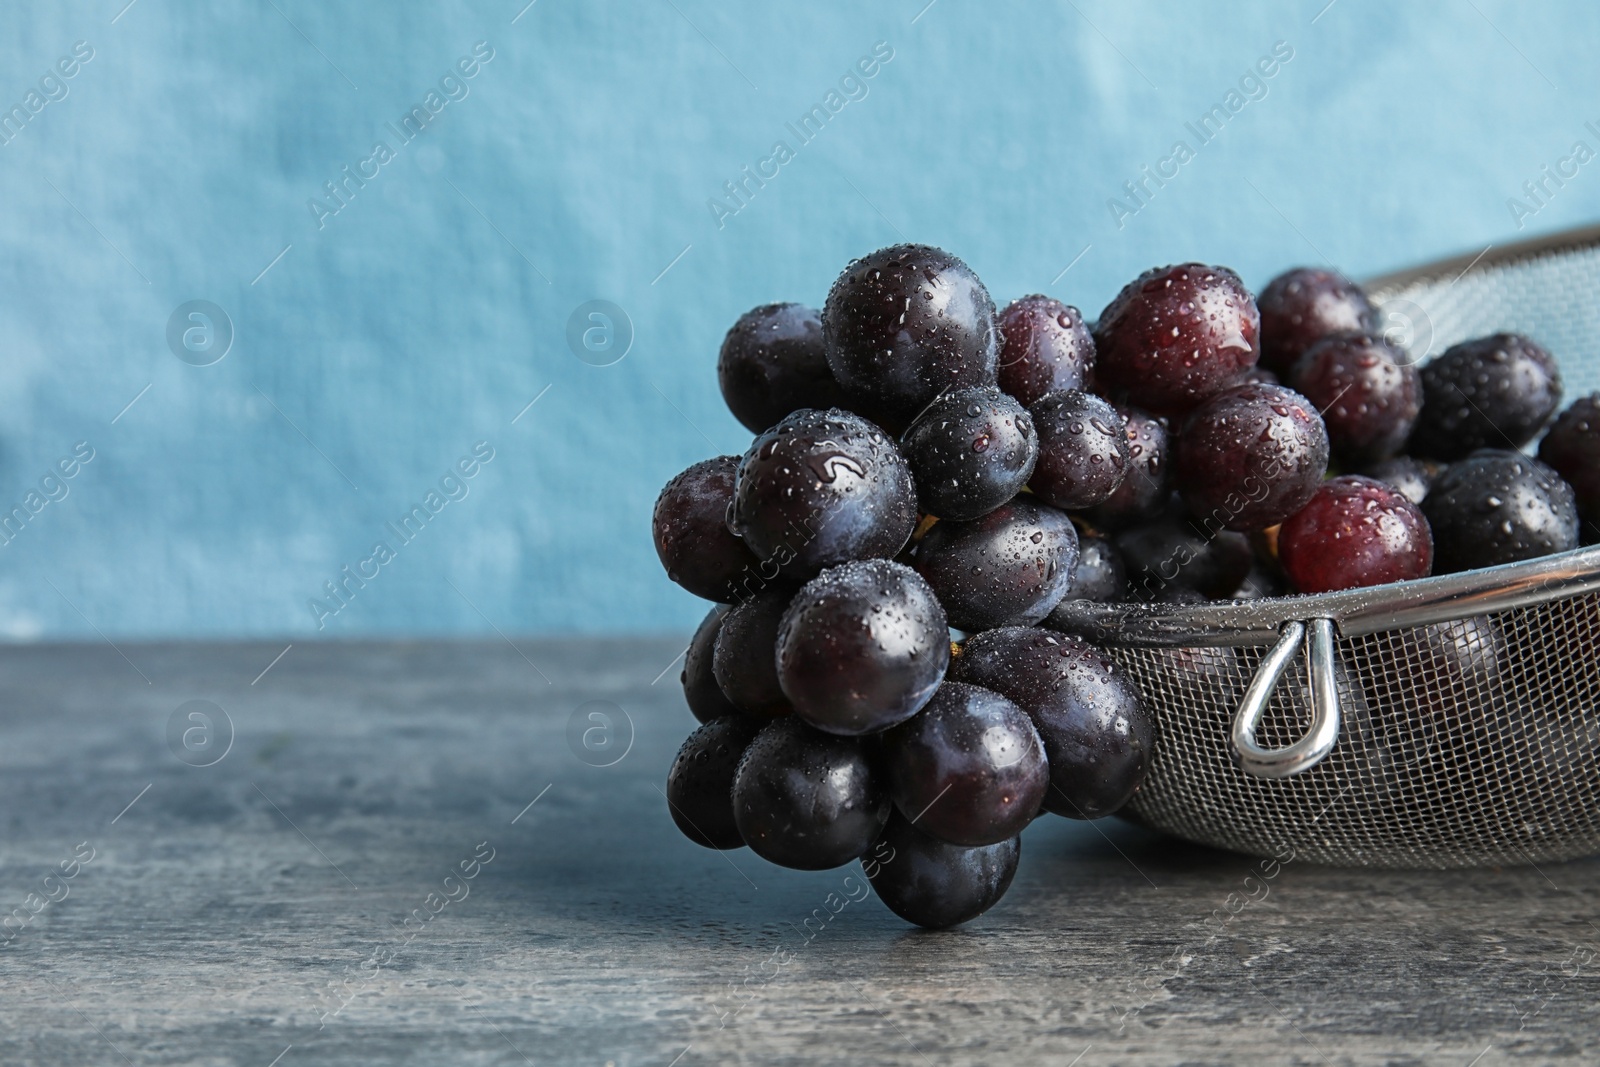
[1447, 722]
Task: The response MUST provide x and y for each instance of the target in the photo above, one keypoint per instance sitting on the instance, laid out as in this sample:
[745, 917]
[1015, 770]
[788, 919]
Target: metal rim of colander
[1316, 622]
[1354, 612]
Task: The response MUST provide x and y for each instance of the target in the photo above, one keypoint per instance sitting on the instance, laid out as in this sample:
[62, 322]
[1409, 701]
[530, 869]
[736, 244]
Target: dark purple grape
[700, 784]
[970, 451]
[935, 884]
[1097, 733]
[905, 324]
[1499, 507]
[1355, 532]
[1411, 476]
[700, 689]
[1044, 347]
[1250, 457]
[1572, 449]
[1100, 575]
[1175, 336]
[1367, 392]
[1302, 306]
[1262, 581]
[969, 768]
[807, 799]
[862, 646]
[1008, 568]
[691, 530]
[744, 657]
[820, 488]
[1172, 553]
[1494, 392]
[1144, 493]
[773, 362]
[1083, 450]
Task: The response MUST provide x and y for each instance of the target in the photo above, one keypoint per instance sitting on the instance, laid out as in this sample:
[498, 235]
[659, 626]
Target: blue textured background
[427, 313]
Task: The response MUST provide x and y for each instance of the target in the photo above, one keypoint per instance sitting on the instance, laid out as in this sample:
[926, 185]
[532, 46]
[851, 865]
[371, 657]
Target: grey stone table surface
[407, 853]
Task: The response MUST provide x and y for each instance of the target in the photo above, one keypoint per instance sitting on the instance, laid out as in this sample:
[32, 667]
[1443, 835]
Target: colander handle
[1317, 637]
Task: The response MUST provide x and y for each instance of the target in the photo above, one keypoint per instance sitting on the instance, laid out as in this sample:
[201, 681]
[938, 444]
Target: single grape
[700, 689]
[1250, 457]
[700, 784]
[1097, 733]
[1173, 552]
[905, 324]
[1572, 449]
[862, 646]
[1302, 306]
[969, 768]
[1044, 347]
[1355, 532]
[1367, 392]
[1083, 450]
[935, 884]
[820, 488]
[1008, 568]
[807, 799]
[1494, 392]
[970, 451]
[773, 362]
[691, 531]
[1175, 336]
[1410, 475]
[1100, 575]
[1499, 507]
[744, 657]
[1144, 493]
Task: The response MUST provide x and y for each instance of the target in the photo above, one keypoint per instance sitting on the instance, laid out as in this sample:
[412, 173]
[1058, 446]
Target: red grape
[1175, 336]
[1250, 457]
[1367, 392]
[1355, 532]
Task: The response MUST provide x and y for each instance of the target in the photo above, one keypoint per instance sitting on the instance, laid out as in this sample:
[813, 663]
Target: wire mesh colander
[1447, 722]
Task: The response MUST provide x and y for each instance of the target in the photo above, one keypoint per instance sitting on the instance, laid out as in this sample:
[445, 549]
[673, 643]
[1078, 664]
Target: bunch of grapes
[926, 465]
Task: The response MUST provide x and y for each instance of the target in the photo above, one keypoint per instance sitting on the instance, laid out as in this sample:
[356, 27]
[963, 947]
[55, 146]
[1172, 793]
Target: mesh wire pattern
[1467, 743]
[1462, 744]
